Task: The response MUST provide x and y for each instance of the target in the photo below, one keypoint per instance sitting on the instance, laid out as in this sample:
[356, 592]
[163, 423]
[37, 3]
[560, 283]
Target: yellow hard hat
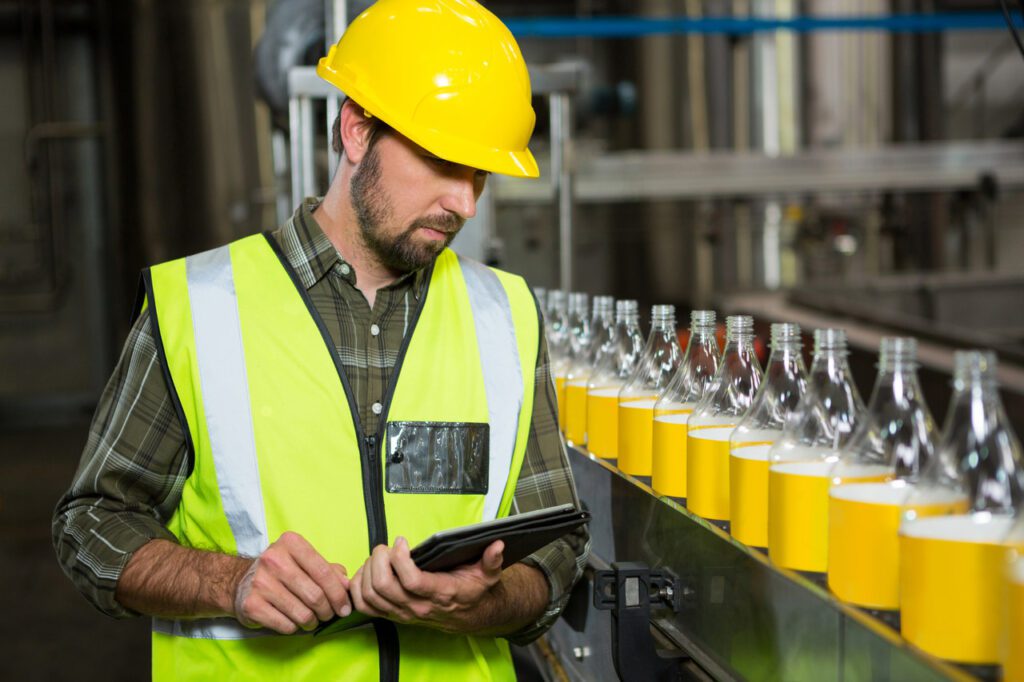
[447, 74]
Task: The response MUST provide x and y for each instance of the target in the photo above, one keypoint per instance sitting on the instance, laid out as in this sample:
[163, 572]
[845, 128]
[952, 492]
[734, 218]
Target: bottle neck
[741, 344]
[830, 362]
[663, 325]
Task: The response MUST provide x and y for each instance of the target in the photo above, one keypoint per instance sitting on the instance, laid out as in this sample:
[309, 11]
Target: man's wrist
[165, 579]
[225, 591]
[514, 602]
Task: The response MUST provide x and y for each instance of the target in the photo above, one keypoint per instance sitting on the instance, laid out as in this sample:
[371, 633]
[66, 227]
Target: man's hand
[291, 586]
[390, 586]
[473, 598]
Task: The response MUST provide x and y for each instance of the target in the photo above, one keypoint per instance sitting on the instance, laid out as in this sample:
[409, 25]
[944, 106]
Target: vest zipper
[373, 486]
[373, 493]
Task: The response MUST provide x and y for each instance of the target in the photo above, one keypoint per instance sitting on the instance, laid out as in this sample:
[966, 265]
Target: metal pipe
[309, 186]
[295, 144]
[337, 21]
[561, 139]
[332, 156]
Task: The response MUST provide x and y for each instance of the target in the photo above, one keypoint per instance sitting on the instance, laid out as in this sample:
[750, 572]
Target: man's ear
[355, 131]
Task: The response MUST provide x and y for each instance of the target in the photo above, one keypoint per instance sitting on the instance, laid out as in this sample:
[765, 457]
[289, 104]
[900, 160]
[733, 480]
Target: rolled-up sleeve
[546, 481]
[129, 479]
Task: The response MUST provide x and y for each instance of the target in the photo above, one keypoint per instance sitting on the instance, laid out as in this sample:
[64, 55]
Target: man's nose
[460, 198]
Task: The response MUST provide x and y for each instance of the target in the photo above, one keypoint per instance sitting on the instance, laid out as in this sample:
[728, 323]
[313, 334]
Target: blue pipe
[631, 27]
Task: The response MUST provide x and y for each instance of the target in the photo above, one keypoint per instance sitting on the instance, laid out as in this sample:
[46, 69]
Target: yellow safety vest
[276, 445]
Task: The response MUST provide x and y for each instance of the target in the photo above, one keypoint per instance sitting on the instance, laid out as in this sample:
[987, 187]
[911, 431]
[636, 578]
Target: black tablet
[523, 534]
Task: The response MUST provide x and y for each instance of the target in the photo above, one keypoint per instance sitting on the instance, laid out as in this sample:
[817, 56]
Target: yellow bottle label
[863, 539]
[603, 422]
[950, 588]
[707, 472]
[668, 458]
[798, 512]
[748, 493]
[636, 434]
[576, 413]
[1013, 668]
[560, 396]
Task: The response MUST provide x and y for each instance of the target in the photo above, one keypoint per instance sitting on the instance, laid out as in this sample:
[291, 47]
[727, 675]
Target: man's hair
[377, 128]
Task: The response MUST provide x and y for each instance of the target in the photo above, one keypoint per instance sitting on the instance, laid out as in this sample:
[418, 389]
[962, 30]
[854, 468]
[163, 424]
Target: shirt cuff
[562, 564]
[94, 555]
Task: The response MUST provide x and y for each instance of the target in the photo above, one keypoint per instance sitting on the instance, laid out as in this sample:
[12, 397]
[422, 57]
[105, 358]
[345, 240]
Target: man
[293, 411]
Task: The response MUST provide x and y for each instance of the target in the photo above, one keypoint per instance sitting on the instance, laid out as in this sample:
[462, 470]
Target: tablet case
[523, 534]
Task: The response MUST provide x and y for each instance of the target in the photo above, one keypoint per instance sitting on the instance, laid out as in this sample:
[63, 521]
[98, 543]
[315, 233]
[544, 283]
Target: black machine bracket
[630, 590]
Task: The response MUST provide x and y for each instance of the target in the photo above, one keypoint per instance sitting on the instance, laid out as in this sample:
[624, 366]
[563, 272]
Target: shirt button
[377, 408]
[374, 329]
[345, 269]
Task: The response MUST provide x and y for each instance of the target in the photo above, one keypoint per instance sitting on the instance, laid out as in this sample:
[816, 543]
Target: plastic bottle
[1013, 643]
[675, 404]
[658, 364]
[541, 294]
[715, 417]
[784, 384]
[576, 342]
[601, 327]
[951, 566]
[613, 364]
[802, 459]
[556, 329]
[896, 439]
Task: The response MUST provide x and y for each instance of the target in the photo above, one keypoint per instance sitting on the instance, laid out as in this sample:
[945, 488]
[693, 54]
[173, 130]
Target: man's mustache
[449, 223]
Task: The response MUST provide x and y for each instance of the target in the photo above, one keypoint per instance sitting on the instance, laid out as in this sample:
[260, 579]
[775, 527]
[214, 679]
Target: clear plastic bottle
[715, 417]
[675, 404]
[556, 330]
[950, 565]
[602, 327]
[578, 376]
[579, 324]
[784, 384]
[799, 475]
[556, 323]
[659, 362]
[541, 295]
[577, 339]
[613, 365]
[896, 439]
[1013, 648]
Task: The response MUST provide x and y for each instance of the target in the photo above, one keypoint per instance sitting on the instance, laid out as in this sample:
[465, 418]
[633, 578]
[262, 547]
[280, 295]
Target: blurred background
[829, 162]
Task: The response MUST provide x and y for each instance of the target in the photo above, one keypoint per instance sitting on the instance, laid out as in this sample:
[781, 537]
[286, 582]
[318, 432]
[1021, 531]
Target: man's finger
[305, 588]
[260, 613]
[344, 607]
[282, 599]
[322, 573]
[385, 582]
[492, 558]
[420, 583]
[378, 569]
[355, 591]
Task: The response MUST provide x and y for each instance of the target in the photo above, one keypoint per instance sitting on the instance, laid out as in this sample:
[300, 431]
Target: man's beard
[373, 211]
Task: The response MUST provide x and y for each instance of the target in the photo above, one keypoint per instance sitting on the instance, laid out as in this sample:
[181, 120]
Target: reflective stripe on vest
[499, 360]
[208, 628]
[222, 373]
[221, 358]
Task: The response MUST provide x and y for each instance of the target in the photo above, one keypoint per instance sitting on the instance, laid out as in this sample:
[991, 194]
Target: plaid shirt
[130, 477]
